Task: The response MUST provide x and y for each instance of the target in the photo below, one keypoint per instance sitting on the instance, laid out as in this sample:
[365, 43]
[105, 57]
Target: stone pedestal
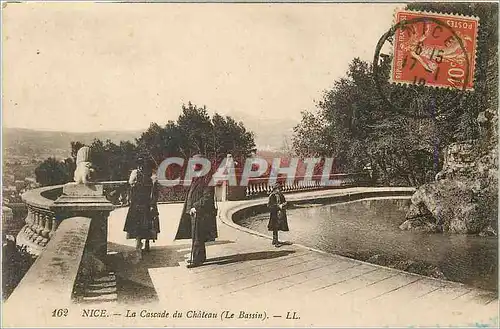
[87, 200]
[221, 192]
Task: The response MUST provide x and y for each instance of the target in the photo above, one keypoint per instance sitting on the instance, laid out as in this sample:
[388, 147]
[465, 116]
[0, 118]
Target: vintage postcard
[249, 164]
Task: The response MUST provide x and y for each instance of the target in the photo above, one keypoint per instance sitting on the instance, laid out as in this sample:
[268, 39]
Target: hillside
[36, 144]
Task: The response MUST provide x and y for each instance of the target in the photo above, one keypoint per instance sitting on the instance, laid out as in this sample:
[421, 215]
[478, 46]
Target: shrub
[16, 261]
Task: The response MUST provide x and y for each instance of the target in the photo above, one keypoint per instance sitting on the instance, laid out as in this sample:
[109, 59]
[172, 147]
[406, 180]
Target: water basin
[368, 230]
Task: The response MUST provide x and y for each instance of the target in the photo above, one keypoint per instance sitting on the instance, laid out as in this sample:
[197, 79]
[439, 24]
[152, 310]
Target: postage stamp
[435, 50]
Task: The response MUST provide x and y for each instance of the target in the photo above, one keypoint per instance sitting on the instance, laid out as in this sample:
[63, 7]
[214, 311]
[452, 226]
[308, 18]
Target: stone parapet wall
[50, 282]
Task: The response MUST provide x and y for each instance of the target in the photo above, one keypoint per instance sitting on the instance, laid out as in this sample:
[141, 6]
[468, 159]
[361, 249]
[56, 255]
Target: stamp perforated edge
[406, 84]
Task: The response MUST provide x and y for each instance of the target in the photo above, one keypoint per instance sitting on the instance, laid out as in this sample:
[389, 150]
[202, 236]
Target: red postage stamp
[436, 50]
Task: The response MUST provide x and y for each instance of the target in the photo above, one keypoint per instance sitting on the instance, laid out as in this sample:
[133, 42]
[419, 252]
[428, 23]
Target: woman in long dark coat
[277, 218]
[199, 218]
[142, 220]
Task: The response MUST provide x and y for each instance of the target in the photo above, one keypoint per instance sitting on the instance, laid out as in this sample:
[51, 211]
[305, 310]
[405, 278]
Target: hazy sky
[88, 67]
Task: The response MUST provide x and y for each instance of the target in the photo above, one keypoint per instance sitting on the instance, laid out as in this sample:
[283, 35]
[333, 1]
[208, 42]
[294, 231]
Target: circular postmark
[429, 50]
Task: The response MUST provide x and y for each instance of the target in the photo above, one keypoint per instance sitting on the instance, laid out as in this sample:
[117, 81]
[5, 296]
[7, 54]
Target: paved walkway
[288, 286]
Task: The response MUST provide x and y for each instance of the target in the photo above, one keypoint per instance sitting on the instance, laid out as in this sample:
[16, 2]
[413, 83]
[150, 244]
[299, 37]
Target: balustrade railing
[46, 211]
[41, 220]
[258, 187]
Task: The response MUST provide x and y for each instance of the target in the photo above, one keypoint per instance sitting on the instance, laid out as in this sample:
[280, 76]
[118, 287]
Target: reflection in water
[369, 229]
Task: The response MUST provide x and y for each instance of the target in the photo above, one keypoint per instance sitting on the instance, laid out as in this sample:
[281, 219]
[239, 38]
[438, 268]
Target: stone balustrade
[41, 220]
[258, 187]
[49, 206]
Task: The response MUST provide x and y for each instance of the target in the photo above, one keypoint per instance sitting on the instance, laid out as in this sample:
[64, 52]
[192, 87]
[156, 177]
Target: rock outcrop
[464, 197]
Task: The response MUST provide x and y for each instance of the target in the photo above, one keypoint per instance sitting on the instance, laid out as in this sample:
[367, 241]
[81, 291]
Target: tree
[54, 172]
[75, 146]
[309, 139]
[232, 137]
[111, 161]
[195, 132]
[196, 128]
[354, 126]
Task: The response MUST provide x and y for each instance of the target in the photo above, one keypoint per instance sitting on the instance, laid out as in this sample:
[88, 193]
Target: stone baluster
[44, 234]
[36, 232]
[53, 226]
[29, 217]
[41, 223]
[37, 237]
[36, 220]
[47, 226]
[30, 221]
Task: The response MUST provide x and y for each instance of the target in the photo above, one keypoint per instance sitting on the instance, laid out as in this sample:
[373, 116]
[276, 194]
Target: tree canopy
[194, 132]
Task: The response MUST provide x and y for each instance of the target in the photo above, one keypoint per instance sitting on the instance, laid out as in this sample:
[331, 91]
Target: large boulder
[464, 197]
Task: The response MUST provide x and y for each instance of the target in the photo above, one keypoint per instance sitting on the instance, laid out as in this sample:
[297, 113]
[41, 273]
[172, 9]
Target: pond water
[369, 230]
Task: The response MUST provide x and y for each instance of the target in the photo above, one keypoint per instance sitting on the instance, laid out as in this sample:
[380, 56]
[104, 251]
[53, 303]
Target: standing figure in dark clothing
[277, 219]
[142, 220]
[198, 219]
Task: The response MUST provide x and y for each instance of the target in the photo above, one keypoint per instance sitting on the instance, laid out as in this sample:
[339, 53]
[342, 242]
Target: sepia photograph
[249, 164]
